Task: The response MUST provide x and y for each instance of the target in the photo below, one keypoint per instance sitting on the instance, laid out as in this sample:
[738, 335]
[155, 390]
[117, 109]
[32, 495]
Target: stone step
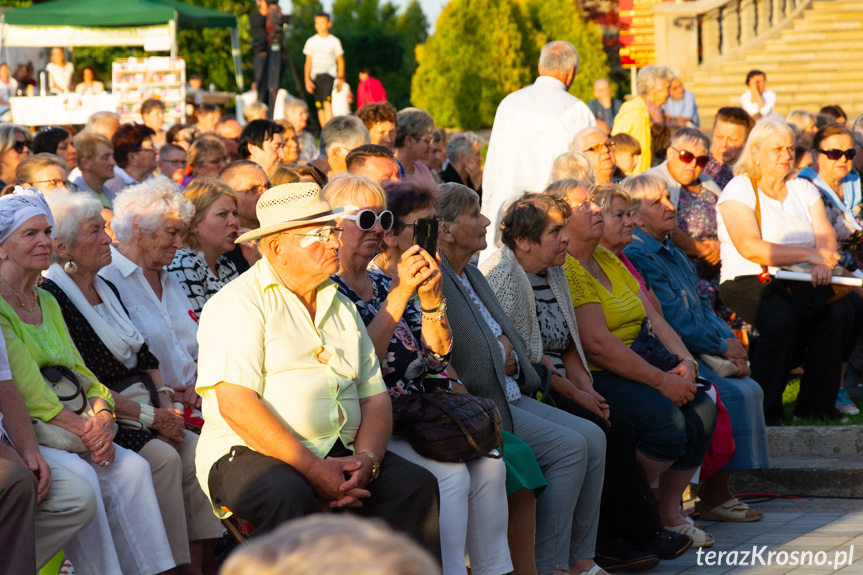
[733, 85]
[819, 45]
[815, 37]
[823, 461]
[834, 6]
[778, 65]
[826, 14]
[705, 98]
[826, 25]
[833, 78]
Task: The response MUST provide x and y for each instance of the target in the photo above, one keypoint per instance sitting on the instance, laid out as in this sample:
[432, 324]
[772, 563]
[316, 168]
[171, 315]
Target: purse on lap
[449, 427]
[71, 389]
[719, 365]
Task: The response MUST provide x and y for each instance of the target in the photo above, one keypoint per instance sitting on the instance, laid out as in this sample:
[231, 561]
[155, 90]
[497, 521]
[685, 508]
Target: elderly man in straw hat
[297, 414]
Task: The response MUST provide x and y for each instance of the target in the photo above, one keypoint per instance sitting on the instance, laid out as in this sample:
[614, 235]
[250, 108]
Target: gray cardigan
[476, 354]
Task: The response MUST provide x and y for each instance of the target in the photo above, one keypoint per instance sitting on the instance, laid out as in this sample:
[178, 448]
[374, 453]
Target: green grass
[790, 397]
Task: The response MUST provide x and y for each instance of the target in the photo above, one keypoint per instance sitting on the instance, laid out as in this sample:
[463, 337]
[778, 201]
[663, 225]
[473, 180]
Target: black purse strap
[55, 373]
[142, 377]
[443, 407]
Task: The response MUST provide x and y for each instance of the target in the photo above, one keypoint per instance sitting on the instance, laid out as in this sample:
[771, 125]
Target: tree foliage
[483, 50]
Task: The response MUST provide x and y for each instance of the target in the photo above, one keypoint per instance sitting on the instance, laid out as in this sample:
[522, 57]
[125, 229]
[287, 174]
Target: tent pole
[172, 26]
[238, 62]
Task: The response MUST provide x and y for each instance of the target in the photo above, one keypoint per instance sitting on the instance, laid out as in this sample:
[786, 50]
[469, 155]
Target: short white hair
[578, 139]
[147, 205]
[651, 76]
[345, 132]
[558, 58]
[69, 210]
[572, 166]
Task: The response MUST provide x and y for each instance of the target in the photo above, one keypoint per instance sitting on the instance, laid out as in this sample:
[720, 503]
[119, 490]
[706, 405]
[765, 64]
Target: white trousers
[127, 536]
[473, 511]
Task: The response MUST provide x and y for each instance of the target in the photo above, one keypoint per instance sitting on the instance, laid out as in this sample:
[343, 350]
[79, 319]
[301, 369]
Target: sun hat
[289, 206]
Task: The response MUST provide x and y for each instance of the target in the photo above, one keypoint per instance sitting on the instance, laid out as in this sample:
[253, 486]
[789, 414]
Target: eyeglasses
[323, 234]
[836, 154]
[19, 146]
[366, 219]
[595, 149]
[428, 139]
[687, 157]
[585, 205]
[259, 189]
[54, 184]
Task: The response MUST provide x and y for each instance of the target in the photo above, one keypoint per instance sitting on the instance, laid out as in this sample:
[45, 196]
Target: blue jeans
[665, 432]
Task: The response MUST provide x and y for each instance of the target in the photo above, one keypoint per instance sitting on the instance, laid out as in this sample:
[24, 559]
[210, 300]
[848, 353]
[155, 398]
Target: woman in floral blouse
[412, 343]
[200, 265]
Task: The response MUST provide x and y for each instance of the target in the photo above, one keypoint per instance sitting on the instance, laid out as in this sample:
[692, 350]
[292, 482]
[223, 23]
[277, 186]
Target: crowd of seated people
[241, 316]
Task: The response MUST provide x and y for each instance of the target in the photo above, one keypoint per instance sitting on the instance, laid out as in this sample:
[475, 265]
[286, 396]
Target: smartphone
[425, 234]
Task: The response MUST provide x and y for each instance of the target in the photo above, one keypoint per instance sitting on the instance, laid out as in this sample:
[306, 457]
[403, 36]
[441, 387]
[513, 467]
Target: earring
[70, 267]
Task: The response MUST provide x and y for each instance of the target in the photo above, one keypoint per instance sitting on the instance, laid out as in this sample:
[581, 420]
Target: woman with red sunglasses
[783, 224]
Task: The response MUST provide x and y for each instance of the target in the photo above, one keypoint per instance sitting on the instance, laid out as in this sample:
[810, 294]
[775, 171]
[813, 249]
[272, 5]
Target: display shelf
[137, 79]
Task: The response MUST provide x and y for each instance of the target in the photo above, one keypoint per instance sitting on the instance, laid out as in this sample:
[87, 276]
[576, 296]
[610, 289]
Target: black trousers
[266, 492]
[628, 510]
[789, 332]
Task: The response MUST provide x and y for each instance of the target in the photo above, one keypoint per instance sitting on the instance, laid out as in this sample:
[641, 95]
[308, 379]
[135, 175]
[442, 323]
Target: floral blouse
[198, 280]
[408, 361]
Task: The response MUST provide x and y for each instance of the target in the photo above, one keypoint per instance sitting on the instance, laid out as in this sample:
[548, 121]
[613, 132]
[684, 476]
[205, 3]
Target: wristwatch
[441, 307]
[376, 465]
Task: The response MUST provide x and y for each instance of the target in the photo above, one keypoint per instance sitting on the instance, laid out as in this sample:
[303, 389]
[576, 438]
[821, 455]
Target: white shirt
[61, 75]
[531, 128]
[787, 223]
[5, 375]
[169, 325]
[769, 97]
[323, 50]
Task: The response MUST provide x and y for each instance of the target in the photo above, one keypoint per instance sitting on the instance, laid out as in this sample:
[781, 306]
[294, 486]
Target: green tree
[473, 60]
[483, 50]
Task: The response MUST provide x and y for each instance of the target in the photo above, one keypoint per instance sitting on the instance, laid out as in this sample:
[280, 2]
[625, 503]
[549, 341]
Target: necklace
[20, 297]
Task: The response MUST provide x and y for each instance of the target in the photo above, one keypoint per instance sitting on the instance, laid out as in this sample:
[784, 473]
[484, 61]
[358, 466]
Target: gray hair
[561, 189]
[651, 76]
[7, 136]
[146, 206]
[800, 119]
[463, 144]
[99, 122]
[557, 59]
[412, 122]
[455, 199]
[764, 129]
[857, 129]
[578, 139]
[345, 132]
[69, 211]
[638, 187]
[292, 102]
[328, 545]
[601, 81]
[690, 136]
[572, 166]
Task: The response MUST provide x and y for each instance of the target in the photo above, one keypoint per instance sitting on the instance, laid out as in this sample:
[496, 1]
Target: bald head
[558, 60]
[578, 141]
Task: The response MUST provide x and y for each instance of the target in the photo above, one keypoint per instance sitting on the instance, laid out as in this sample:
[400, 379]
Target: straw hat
[289, 206]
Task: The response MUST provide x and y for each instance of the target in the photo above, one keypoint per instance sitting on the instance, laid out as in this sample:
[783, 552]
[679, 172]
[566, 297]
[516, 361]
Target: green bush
[483, 50]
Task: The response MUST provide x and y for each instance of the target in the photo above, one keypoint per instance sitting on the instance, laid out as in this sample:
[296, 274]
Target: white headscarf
[20, 206]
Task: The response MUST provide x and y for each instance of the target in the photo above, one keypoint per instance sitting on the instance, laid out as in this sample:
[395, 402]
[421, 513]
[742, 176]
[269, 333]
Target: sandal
[593, 570]
[699, 537]
[733, 511]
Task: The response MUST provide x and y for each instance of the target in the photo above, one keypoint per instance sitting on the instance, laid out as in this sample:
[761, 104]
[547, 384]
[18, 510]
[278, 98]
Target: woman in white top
[149, 220]
[789, 316]
[60, 71]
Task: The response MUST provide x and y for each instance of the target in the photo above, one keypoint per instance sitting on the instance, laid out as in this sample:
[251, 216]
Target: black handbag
[447, 426]
[651, 349]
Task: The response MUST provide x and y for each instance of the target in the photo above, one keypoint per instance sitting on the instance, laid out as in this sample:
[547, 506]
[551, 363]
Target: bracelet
[694, 363]
[440, 315]
[376, 465]
[148, 415]
[168, 389]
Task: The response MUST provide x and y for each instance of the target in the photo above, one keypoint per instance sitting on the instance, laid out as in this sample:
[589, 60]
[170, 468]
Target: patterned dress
[408, 360]
[198, 280]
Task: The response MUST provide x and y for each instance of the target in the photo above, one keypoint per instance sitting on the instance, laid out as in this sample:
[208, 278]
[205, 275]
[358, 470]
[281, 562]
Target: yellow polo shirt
[257, 334]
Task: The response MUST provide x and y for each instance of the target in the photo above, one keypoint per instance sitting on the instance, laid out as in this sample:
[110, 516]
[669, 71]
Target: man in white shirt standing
[531, 128]
[757, 100]
[325, 65]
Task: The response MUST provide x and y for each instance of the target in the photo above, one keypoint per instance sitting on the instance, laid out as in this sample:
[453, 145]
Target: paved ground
[831, 526]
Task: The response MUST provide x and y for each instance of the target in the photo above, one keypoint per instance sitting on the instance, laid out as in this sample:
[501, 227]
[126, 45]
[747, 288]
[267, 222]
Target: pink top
[422, 175]
[631, 267]
[370, 91]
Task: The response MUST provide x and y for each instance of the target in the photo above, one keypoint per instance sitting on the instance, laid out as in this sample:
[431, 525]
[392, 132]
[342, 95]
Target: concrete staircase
[823, 461]
[813, 63]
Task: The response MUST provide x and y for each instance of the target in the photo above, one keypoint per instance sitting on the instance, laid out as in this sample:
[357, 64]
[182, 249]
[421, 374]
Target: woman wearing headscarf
[127, 535]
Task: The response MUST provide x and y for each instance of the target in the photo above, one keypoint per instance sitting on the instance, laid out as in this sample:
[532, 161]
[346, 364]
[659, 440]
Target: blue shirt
[672, 277]
[683, 108]
[605, 114]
